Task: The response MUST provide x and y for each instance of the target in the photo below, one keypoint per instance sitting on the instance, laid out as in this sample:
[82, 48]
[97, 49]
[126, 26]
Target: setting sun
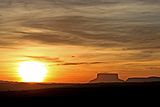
[32, 71]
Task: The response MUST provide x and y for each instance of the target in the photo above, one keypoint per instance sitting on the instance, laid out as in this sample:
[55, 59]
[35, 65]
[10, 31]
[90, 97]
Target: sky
[77, 39]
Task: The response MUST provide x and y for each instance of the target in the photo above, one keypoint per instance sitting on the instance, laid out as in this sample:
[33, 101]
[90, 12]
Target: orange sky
[71, 64]
[78, 39]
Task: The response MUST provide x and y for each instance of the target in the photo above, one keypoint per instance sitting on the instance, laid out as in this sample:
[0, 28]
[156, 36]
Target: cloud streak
[81, 63]
[45, 58]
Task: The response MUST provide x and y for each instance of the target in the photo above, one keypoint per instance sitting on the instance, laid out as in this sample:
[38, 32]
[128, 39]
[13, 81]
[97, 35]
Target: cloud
[143, 48]
[45, 58]
[155, 68]
[52, 39]
[82, 63]
[131, 25]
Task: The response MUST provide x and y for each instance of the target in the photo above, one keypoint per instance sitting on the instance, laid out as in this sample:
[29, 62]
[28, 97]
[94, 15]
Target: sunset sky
[77, 39]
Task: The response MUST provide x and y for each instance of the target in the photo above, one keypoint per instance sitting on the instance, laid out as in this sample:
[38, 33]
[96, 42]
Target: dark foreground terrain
[85, 93]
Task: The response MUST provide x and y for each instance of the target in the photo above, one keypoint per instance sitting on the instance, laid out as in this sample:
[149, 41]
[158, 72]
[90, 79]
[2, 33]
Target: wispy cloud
[82, 63]
[116, 23]
[45, 58]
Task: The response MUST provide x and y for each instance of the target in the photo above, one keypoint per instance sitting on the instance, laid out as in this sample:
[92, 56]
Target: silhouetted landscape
[102, 78]
[85, 93]
[106, 85]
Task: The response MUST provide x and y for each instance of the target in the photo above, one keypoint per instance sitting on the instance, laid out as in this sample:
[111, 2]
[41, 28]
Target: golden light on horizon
[32, 71]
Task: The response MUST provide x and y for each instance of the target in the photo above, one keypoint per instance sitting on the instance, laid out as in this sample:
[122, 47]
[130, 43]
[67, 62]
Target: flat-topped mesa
[149, 79]
[106, 78]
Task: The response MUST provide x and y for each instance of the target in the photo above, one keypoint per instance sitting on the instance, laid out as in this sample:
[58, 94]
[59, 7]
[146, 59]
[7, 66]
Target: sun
[32, 71]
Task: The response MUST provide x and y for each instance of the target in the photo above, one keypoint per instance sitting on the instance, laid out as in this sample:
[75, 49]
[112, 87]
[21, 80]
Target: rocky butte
[113, 78]
[106, 77]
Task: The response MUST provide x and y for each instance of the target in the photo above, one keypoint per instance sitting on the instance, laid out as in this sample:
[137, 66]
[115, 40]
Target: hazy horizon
[76, 39]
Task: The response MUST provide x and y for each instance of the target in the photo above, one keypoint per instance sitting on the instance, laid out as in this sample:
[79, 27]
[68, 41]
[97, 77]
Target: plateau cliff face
[106, 78]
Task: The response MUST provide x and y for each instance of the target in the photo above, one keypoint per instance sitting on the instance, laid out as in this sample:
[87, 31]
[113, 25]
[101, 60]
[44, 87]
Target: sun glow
[32, 71]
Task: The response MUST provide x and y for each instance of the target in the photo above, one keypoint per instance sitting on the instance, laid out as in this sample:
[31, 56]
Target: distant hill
[149, 79]
[106, 78]
[19, 86]
[3, 81]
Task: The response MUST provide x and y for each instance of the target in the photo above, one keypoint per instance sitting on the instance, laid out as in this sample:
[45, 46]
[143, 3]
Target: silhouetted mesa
[149, 79]
[106, 78]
